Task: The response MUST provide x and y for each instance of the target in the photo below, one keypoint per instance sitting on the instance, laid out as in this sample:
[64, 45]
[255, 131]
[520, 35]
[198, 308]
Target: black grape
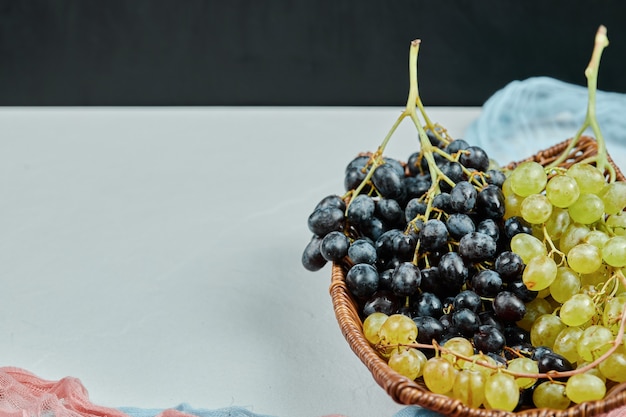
[331, 201]
[442, 202]
[312, 258]
[460, 224]
[452, 271]
[413, 208]
[382, 302]
[495, 177]
[551, 361]
[467, 299]
[433, 236]
[325, 220]
[490, 228]
[509, 265]
[490, 202]
[519, 289]
[362, 280]
[387, 181]
[489, 339]
[416, 164]
[477, 247]
[406, 279]
[508, 307]
[428, 329]
[475, 157]
[417, 186]
[487, 283]
[463, 197]
[456, 145]
[427, 304]
[362, 251]
[466, 321]
[514, 225]
[361, 209]
[334, 246]
[390, 212]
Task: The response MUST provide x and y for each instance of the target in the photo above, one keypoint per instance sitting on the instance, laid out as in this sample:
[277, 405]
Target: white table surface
[154, 254]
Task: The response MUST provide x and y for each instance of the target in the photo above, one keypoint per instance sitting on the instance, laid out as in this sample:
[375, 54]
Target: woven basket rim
[408, 392]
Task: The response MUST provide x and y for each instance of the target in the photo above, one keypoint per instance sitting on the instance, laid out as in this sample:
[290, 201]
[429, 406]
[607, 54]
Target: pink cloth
[23, 394]
[618, 412]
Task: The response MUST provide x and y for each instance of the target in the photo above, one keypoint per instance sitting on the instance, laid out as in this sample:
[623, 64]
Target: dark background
[255, 52]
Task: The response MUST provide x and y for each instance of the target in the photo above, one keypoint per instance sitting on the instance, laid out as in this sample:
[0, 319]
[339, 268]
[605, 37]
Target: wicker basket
[409, 392]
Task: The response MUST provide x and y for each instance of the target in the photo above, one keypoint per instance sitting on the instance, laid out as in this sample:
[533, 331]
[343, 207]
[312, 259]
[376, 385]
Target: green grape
[534, 309]
[528, 178]
[614, 251]
[614, 367]
[589, 178]
[597, 238]
[527, 246]
[526, 366]
[590, 290]
[512, 205]
[588, 209]
[584, 258]
[460, 346]
[574, 234]
[407, 362]
[439, 375]
[566, 341]
[539, 273]
[597, 277]
[476, 364]
[562, 191]
[536, 209]
[545, 329]
[617, 223]
[506, 187]
[614, 197]
[397, 329]
[371, 326]
[594, 342]
[578, 310]
[501, 392]
[423, 359]
[565, 285]
[558, 223]
[469, 388]
[593, 371]
[612, 313]
[584, 387]
[551, 394]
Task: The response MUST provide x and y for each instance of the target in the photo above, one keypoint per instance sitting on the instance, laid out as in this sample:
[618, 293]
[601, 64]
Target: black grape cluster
[442, 258]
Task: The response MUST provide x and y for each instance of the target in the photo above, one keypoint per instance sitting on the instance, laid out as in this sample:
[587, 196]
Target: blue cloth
[414, 411]
[199, 412]
[527, 116]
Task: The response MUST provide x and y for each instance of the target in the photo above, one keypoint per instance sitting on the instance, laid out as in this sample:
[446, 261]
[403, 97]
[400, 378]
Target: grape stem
[553, 249]
[621, 277]
[413, 103]
[591, 73]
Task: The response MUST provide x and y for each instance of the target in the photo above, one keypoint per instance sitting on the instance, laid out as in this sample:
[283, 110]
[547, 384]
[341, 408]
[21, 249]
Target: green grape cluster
[575, 257]
[580, 217]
